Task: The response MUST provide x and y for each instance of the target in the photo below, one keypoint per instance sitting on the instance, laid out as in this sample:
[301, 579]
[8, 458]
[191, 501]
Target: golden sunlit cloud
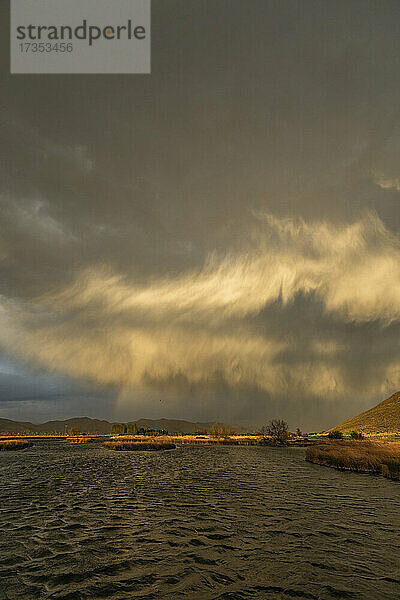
[199, 325]
[387, 183]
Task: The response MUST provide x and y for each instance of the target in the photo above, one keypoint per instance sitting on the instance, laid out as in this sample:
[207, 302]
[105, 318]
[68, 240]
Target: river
[198, 522]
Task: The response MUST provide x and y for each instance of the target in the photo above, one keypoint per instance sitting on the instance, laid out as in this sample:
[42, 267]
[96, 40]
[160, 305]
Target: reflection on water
[196, 522]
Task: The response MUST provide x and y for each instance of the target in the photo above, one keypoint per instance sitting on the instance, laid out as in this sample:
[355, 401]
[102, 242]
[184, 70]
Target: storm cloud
[223, 233]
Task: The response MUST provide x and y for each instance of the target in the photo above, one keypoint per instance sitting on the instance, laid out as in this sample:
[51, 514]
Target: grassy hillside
[382, 418]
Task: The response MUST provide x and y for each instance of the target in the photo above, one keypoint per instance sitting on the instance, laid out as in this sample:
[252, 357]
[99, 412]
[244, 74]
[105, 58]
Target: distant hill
[8, 426]
[87, 425]
[382, 418]
[84, 424]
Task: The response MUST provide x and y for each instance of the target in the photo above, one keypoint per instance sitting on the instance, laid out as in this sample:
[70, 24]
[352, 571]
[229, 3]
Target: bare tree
[73, 431]
[220, 430]
[277, 431]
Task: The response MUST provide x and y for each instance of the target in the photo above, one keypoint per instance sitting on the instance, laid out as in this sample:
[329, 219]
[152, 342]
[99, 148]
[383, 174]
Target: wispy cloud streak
[200, 327]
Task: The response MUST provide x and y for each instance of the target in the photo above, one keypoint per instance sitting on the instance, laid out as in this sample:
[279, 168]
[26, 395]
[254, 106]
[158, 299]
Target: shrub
[335, 435]
[355, 435]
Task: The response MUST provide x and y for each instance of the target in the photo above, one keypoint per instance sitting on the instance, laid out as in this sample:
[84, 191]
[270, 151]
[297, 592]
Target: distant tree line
[133, 429]
[220, 430]
[217, 430]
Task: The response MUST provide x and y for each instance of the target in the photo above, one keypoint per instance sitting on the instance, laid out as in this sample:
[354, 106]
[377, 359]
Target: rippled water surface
[80, 521]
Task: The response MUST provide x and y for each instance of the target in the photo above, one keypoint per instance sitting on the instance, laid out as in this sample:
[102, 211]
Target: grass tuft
[133, 445]
[14, 444]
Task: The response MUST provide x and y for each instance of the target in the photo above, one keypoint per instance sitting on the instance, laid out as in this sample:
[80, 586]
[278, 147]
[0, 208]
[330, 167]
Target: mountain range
[382, 418]
[88, 425]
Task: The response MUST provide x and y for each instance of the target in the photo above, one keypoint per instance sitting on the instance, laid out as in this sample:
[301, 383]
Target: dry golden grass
[232, 440]
[137, 445]
[80, 439]
[378, 458]
[14, 444]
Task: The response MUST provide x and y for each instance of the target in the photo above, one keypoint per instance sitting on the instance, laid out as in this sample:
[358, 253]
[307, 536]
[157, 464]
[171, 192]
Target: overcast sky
[216, 240]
